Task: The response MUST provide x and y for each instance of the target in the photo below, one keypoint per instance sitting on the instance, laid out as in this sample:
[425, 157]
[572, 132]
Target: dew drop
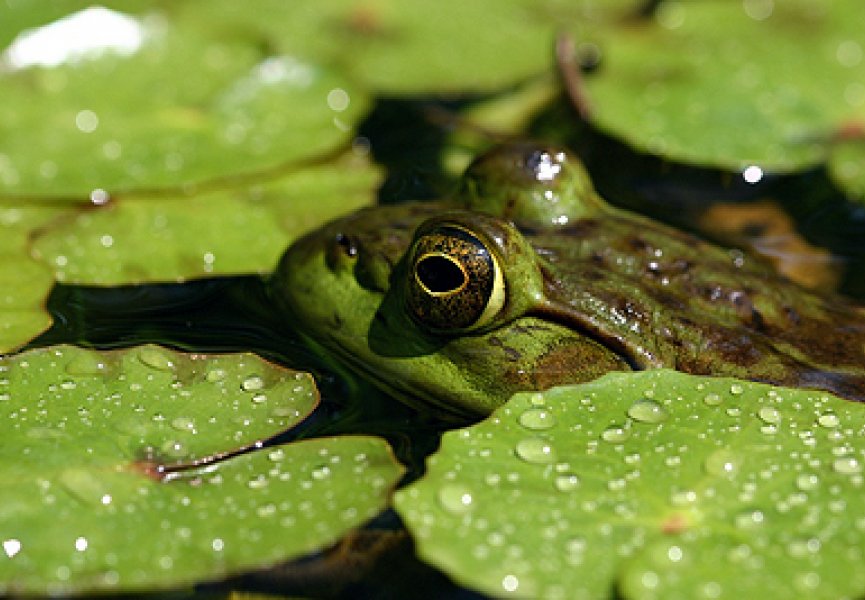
[276, 455]
[259, 398]
[648, 411]
[737, 389]
[321, 472]
[183, 424]
[722, 462]
[214, 375]
[456, 499]
[750, 519]
[770, 415]
[535, 450]
[538, 400]
[173, 448]
[828, 420]
[510, 583]
[537, 419]
[252, 383]
[85, 363]
[257, 483]
[155, 359]
[616, 434]
[847, 465]
[807, 481]
[575, 545]
[712, 399]
[567, 483]
[11, 547]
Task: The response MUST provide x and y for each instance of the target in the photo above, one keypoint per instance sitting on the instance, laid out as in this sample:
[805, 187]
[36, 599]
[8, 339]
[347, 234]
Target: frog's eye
[455, 281]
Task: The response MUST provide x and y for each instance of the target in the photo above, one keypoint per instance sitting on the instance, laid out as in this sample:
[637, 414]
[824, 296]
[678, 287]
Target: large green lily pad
[94, 494]
[735, 83]
[189, 103]
[242, 230]
[655, 484]
[421, 47]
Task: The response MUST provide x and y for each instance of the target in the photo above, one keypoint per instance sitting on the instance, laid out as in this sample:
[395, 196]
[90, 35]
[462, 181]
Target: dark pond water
[234, 314]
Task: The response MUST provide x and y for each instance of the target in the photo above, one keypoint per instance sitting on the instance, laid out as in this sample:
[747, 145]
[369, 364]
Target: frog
[525, 278]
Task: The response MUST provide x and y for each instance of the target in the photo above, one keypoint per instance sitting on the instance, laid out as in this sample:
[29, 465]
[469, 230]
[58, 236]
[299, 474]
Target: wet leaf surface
[24, 283]
[732, 84]
[401, 48]
[242, 230]
[657, 484]
[164, 103]
[93, 499]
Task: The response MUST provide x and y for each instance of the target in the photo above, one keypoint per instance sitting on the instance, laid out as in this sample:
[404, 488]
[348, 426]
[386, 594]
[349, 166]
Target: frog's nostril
[340, 252]
[346, 244]
[440, 274]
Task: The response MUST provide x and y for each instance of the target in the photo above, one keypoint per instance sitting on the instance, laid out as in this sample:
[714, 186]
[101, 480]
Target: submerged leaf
[101, 487]
[658, 484]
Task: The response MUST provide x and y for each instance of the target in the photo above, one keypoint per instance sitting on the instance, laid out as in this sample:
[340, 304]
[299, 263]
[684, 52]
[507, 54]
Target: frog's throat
[414, 397]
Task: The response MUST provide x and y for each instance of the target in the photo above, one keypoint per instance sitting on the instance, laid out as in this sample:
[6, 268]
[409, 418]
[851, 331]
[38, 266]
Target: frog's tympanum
[526, 278]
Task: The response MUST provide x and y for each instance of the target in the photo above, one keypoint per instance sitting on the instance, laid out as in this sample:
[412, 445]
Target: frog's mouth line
[637, 358]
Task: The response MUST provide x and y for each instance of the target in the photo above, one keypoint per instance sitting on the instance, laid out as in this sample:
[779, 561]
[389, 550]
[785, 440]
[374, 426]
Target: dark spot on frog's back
[581, 228]
[638, 244]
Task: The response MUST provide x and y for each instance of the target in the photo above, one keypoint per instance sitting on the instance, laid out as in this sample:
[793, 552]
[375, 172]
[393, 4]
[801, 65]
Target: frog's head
[438, 302]
[535, 186]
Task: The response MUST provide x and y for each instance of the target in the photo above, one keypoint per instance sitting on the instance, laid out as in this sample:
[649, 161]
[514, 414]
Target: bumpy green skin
[589, 288]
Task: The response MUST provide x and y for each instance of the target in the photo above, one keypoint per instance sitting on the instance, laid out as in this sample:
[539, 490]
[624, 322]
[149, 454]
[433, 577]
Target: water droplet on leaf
[155, 359]
[455, 498]
[648, 411]
[535, 450]
[537, 419]
[616, 434]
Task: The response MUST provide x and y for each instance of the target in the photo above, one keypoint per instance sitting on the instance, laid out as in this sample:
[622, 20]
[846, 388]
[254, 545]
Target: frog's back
[669, 299]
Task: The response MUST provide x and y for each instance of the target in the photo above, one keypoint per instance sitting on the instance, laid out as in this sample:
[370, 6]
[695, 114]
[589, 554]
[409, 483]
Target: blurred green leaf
[418, 47]
[172, 238]
[734, 83]
[190, 104]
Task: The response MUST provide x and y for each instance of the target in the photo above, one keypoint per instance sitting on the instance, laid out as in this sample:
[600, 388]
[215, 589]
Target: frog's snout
[341, 251]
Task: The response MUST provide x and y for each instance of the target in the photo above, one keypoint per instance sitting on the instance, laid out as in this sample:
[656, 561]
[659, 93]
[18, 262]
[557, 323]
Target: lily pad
[847, 167]
[244, 230]
[120, 470]
[169, 104]
[655, 484]
[25, 283]
[422, 47]
[732, 84]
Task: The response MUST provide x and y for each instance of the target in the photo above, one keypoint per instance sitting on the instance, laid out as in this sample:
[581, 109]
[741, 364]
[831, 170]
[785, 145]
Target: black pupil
[439, 274]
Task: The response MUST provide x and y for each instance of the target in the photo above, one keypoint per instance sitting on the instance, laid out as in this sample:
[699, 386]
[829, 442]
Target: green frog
[526, 278]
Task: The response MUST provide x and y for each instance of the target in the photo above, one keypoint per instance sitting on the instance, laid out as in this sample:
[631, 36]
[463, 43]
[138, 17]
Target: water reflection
[84, 34]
